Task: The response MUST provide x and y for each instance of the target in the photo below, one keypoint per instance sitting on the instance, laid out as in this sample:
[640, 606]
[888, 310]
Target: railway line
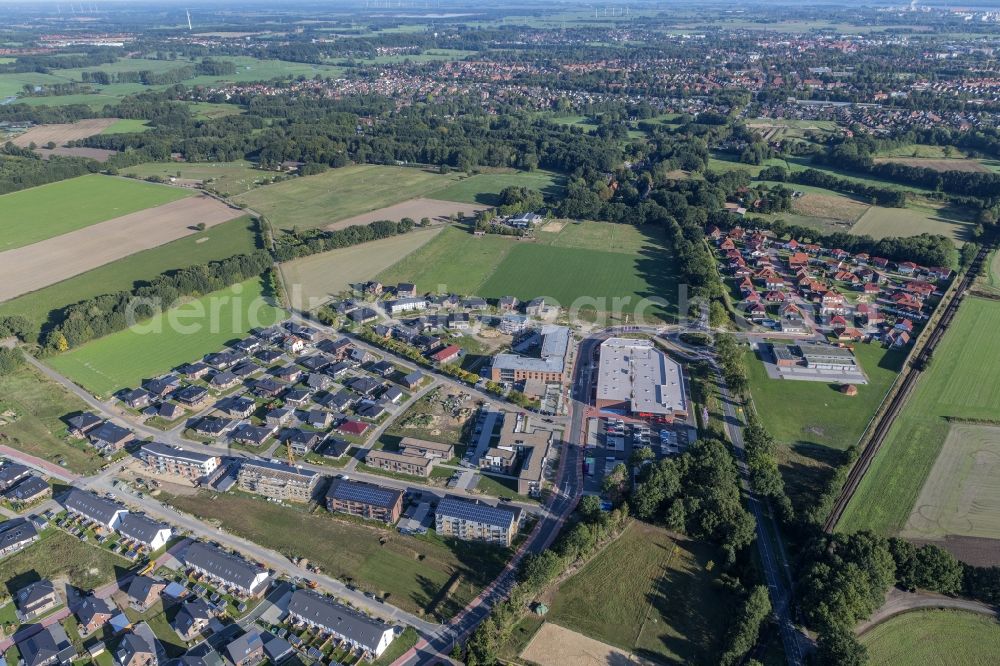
[912, 374]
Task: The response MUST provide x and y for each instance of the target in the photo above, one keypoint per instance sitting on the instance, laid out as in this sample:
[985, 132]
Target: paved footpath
[44, 466]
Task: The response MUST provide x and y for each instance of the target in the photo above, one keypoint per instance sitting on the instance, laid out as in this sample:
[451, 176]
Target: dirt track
[416, 209]
[49, 261]
[64, 132]
[897, 601]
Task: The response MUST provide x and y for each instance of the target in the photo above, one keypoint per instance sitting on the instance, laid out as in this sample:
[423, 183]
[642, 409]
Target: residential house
[109, 437]
[399, 463]
[170, 411]
[93, 614]
[277, 480]
[36, 600]
[83, 423]
[137, 648]
[253, 435]
[213, 426]
[11, 474]
[47, 647]
[247, 650]
[413, 379]
[192, 618]
[449, 354]
[411, 446]
[224, 380]
[240, 407]
[346, 624]
[365, 500]
[97, 510]
[143, 592]
[136, 398]
[476, 521]
[168, 460]
[144, 531]
[16, 534]
[227, 569]
[29, 490]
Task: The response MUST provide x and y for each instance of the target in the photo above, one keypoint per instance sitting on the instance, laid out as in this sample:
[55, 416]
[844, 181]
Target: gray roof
[110, 432]
[158, 449]
[139, 527]
[91, 607]
[366, 493]
[34, 592]
[91, 506]
[16, 531]
[330, 615]
[479, 512]
[31, 486]
[555, 341]
[84, 420]
[11, 472]
[132, 644]
[201, 655]
[191, 612]
[140, 587]
[227, 567]
[245, 645]
[44, 645]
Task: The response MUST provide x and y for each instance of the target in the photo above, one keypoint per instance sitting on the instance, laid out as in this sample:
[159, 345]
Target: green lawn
[940, 637]
[58, 208]
[651, 595]
[58, 554]
[812, 421]
[917, 218]
[219, 242]
[961, 382]
[419, 574]
[590, 280]
[315, 201]
[589, 235]
[126, 126]
[454, 261]
[39, 405]
[180, 335]
[485, 188]
[563, 268]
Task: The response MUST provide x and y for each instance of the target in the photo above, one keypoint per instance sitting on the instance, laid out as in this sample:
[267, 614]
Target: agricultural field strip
[46, 262]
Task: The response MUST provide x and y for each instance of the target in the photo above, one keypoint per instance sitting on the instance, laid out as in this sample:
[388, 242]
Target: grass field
[125, 126]
[665, 604]
[39, 406]
[916, 218]
[225, 240]
[59, 554]
[182, 334]
[423, 575]
[227, 178]
[57, 208]
[962, 493]
[940, 637]
[961, 382]
[812, 421]
[312, 280]
[485, 188]
[316, 201]
[563, 265]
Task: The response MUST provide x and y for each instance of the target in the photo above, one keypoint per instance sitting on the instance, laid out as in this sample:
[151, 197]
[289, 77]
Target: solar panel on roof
[475, 511]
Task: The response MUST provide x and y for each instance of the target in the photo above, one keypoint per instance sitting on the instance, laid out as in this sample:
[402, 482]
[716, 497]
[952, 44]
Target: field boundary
[904, 385]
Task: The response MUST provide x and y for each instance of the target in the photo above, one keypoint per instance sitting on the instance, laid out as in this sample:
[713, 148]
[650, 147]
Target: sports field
[225, 240]
[182, 334]
[316, 201]
[940, 637]
[51, 210]
[961, 495]
[650, 595]
[916, 218]
[813, 421]
[564, 265]
[961, 383]
[485, 188]
[311, 280]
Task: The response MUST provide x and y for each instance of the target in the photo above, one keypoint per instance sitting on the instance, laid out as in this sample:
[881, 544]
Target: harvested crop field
[835, 207]
[49, 261]
[961, 495]
[943, 164]
[99, 154]
[415, 209]
[63, 133]
[311, 281]
[557, 646]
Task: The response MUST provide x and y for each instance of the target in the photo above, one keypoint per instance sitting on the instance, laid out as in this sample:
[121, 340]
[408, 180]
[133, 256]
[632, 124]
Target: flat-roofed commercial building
[277, 480]
[636, 378]
[365, 500]
[548, 367]
[165, 459]
[476, 521]
[827, 357]
[399, 463]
